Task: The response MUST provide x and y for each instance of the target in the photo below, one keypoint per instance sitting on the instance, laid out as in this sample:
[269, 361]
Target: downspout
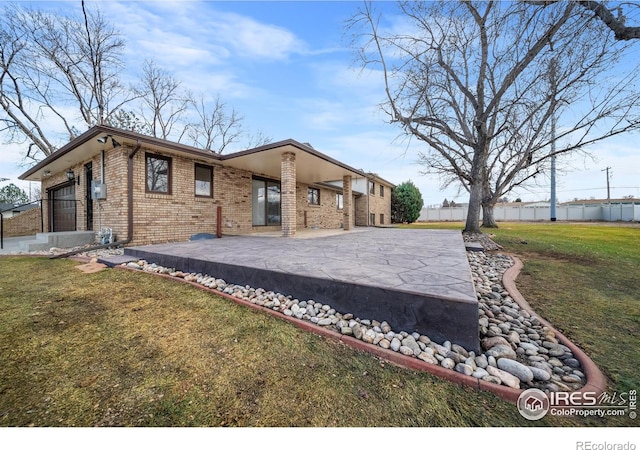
[129, 238]
[102, 167]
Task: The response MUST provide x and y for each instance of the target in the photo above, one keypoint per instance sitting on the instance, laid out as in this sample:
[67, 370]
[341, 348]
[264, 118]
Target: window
[381, 219]
[381, 191]
[372, 187]
[265, 202]
[158, 174]
[339, 201]
[203, 181]
[313, 196]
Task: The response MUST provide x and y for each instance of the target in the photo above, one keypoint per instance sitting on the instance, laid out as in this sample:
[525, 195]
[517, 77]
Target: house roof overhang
[86, 146]
[311, 165]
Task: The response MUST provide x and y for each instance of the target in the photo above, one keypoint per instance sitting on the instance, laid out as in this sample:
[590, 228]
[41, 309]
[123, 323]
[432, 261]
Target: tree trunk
[488, 203]
[488, 220]
[473, 213]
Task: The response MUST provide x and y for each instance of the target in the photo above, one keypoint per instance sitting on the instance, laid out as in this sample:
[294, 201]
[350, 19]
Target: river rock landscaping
[518, 350]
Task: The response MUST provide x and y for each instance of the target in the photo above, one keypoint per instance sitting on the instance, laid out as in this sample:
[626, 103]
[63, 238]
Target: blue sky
[287, 67]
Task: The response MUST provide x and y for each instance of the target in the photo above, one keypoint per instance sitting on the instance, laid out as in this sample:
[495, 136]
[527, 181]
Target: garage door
[63, 208]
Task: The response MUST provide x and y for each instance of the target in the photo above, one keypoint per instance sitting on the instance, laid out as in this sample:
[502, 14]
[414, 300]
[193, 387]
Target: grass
[120, 348]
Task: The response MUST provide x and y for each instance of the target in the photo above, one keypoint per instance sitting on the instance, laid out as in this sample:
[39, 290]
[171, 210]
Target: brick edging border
[596, 381]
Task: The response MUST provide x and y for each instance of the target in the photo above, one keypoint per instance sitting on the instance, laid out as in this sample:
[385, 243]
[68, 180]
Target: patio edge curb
[596, 381]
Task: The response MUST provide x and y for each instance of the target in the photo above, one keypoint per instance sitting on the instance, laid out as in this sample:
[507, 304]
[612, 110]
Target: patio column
[347, 207]
[288, 194]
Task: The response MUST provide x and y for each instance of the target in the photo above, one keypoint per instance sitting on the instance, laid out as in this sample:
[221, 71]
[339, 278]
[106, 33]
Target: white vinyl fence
[586, 212]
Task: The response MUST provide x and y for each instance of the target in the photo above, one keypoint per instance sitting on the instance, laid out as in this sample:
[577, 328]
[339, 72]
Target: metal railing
[13, 208]
[39, 202]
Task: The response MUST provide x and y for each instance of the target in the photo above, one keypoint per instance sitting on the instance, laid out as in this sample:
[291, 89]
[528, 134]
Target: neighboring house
[9, 210]
[613, 201]
[149, 190]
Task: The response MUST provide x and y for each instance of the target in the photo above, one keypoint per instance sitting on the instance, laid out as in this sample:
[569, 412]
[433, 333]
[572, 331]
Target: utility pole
[553, 138]
[553, 167]
[608, 189]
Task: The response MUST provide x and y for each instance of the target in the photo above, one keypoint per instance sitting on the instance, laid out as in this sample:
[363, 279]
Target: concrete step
[116, 260]
[60, 239]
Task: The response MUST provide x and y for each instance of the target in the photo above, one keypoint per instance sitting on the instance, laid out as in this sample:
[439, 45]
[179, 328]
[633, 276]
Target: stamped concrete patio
[416, 280]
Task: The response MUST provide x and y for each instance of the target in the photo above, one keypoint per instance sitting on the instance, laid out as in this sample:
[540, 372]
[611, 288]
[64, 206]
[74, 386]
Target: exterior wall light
[104, 139]
[71, 176]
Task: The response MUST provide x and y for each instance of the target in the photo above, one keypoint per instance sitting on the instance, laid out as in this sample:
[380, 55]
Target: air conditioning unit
[98, 190]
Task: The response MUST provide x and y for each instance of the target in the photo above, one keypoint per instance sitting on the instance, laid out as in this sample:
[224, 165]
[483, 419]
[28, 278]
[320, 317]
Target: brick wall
[288, 198]
[176, 216]
[362, 210]
[376, 204]
[325, 215]
[180, 214]
[380, 205]
[232, 191]
[26, 223]
[347, 211]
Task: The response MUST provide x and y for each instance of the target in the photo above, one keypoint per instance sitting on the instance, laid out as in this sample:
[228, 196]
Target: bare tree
[615, 22]
[164, 103]
[128, 120]
[258, 139]
[215, 128]
[481, 82]
[50, 63]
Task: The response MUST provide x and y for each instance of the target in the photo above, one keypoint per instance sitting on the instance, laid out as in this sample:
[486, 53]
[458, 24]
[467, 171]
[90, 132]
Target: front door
[62, 203]
[88, 178]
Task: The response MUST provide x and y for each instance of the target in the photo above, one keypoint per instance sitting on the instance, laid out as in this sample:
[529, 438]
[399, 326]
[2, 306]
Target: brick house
[149, 190]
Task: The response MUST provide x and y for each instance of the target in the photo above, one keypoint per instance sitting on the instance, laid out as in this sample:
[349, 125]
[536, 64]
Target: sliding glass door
[265, 195]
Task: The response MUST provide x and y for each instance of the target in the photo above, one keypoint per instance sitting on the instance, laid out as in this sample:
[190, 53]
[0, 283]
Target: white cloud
[254, 39]
[200, 30]
[177, 53]
[12, 164]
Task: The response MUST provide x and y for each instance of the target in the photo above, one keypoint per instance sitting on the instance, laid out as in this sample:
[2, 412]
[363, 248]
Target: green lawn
[120, 348]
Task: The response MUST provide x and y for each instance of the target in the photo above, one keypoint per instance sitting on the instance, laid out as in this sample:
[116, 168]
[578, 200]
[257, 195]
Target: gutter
[129, 238]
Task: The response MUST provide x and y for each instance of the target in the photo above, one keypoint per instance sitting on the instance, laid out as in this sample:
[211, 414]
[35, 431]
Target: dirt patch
[91, 267]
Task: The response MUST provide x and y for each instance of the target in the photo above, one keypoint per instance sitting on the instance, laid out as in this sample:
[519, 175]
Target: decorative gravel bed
[518, 350]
